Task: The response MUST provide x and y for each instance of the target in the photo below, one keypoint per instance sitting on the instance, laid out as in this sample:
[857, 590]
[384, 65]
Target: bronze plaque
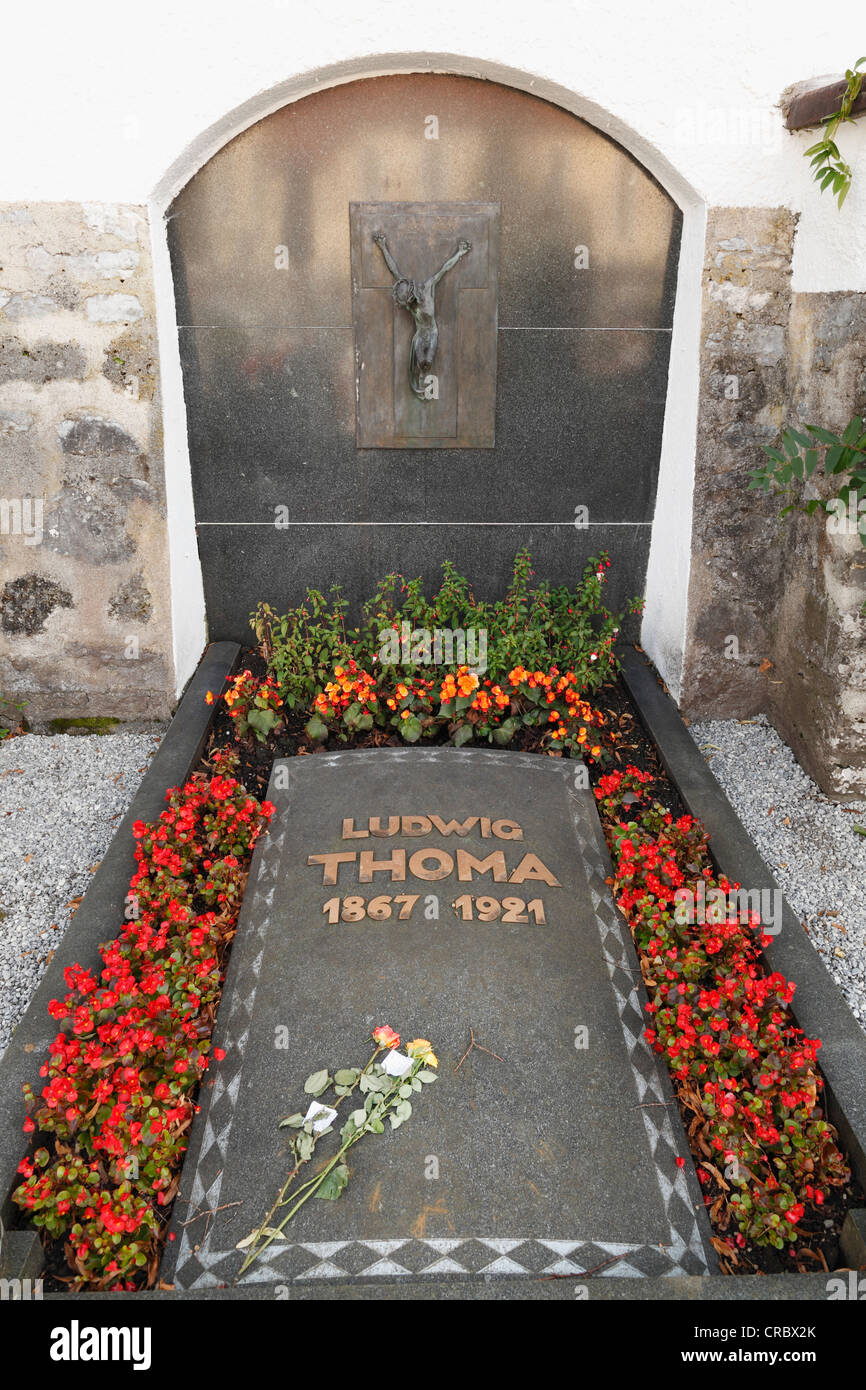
[424, 284]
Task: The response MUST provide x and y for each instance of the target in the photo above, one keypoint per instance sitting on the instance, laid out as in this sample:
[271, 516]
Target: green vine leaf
[829, 168]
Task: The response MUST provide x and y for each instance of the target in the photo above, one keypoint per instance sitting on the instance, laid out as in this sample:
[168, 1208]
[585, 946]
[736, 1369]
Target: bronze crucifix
[417, 297]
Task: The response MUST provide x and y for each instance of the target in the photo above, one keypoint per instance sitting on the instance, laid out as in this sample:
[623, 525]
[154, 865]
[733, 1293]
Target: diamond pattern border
[684, 1253]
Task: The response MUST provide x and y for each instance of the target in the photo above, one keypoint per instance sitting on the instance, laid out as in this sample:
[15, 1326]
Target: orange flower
[385, 1036]
[208, 699]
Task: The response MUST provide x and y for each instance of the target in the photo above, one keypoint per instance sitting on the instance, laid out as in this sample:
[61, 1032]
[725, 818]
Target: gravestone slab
[560, 1158]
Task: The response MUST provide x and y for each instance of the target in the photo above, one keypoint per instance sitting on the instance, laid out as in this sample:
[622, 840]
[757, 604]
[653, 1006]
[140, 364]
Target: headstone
[310, 456]
[558, 1154]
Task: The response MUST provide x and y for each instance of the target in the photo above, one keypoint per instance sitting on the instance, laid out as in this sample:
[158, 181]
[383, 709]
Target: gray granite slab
[556, 1159]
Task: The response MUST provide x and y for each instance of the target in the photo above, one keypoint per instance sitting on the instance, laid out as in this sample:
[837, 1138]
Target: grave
[560, 1158]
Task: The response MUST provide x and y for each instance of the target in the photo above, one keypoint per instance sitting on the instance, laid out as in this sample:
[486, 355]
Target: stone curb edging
[101, 911]
[818, 1005]
[686, 1288]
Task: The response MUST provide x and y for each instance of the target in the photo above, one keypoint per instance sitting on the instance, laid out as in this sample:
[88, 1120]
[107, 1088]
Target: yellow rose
[420, 1048]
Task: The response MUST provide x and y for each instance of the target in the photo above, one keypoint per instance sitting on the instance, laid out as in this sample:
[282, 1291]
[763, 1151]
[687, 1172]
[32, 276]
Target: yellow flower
[420, 1048]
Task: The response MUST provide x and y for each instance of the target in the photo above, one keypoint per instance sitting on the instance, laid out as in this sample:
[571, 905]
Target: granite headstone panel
[555, 1155]
[276, 368]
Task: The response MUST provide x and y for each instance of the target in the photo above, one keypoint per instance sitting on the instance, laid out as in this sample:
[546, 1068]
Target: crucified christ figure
[418, 298]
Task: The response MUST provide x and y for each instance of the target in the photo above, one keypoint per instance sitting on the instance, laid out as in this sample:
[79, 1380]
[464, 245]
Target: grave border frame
[697, 786]
[680, 1191]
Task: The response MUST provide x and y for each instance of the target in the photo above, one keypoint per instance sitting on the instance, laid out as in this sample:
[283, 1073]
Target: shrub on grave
[134, 1040]
[721, 1022]
[537, 625]
[464, 704]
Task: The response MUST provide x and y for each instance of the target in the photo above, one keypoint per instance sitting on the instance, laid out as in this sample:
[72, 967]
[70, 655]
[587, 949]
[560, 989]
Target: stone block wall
[85, 625]
[775, 620]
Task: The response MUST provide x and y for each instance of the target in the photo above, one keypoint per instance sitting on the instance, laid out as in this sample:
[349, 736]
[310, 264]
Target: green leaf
[358, 1118]
[825, 436]
[332, 1185]
[410, 728]
[347, 1076]
[261, 719]
[506, 731]
[462, 735]
[316, 728]
[318, 1082]
[371, 1081]
[295, 1121]
[802, 439]
[427, 1076]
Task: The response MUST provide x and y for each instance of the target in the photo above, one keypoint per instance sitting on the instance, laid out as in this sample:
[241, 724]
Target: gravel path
[809, 842]
[61, 798]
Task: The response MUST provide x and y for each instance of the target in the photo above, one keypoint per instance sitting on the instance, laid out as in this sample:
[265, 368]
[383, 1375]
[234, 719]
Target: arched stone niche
[261, 257]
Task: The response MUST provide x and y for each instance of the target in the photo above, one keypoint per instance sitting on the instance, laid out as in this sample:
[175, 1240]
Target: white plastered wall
[115, 105]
